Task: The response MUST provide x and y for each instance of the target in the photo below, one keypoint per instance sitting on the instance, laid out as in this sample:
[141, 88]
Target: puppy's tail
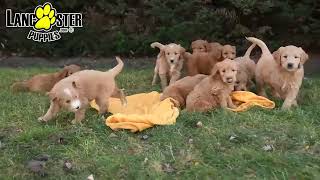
[261, 44]
[248, 52]
[20, 86]
[116, 70]
[158, 45]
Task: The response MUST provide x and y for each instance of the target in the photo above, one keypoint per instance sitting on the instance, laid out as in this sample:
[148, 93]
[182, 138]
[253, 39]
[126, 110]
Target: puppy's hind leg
[119, 93]
[155, 76]
[103, 103]
[260, 87]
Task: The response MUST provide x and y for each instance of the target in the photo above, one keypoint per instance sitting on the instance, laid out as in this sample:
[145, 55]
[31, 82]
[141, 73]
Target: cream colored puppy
[282, 71]
[229, 52]
[246, 71]
[169, 63]
[76, 91]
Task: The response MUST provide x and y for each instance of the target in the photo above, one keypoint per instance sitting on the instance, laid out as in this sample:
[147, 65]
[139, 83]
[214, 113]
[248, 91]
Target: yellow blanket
[245, 100]
[142, 111]
[146, 110]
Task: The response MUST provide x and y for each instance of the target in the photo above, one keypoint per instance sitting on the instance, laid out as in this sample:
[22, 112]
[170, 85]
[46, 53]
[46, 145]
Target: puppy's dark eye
[225, 53]
[233, 70]
[296, 57]
[237, 82]
[68, 101]
[223, 71]
[168, 53]
[233, 53]
[285, 56]
[175, 53]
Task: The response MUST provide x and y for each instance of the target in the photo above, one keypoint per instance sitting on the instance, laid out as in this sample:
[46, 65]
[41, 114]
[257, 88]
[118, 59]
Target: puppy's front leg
[223, 101]
[52, 111]
[164, 81]
[174, 77]
[290, 99]
[79, 116]
[230, 103]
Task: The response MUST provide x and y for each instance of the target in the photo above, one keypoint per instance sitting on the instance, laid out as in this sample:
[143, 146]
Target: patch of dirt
[85, 62]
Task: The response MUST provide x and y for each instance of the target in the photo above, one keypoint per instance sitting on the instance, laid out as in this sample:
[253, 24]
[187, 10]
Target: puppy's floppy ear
[277, 55]
[182, 51]
[52, 96]
[304, 56]
[234, 48]
[64, 73]
[215, 69]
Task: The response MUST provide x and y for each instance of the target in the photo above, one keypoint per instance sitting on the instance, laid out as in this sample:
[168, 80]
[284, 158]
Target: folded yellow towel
[142, 111]
[245, 100]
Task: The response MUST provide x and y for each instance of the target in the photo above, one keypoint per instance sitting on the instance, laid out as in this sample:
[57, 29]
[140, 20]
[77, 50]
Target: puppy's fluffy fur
[169, 63]
[45, 82]
[229, 52]
[246, 71]
[214, 90]
[199, 46]
[76, 91]
[181, 88]
[282, 71]
[203, 62]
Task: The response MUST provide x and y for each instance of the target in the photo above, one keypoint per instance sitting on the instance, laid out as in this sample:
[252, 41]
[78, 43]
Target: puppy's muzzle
[230, 80]
[290, 65]
[171, 61]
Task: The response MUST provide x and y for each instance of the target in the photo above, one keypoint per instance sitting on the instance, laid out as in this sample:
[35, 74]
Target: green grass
[293, 134]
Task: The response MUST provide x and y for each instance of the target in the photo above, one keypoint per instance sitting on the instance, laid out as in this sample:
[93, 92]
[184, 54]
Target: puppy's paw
[41, 119]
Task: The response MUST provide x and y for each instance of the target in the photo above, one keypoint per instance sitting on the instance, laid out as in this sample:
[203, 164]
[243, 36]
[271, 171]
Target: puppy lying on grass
[214, 90]
[169, 63]
[246, 71]
[75, 92]
[181, 88]
[45, 82]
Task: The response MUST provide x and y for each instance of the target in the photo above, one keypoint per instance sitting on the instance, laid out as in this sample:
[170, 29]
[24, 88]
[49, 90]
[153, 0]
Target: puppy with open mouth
[76, 91]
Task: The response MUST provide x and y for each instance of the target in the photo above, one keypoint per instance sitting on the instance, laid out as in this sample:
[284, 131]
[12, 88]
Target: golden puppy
[76, 91]
[169, 63]
[282, 71]
[45, 82]
[229, 52]
[199, 46]
[203, 62]
[214, 90]
[180, 89]
[246, 70]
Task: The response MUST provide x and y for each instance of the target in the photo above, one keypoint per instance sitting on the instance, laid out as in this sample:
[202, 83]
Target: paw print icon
[46, 16]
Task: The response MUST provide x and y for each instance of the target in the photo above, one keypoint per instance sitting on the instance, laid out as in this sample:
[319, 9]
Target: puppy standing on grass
[181, 88]
[75, 92]
[214, 90]
[282, 71]
[45, 82]
[246, 70]
[169, 63]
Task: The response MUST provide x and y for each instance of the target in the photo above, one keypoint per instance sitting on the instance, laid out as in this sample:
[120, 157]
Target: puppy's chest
[286, 83]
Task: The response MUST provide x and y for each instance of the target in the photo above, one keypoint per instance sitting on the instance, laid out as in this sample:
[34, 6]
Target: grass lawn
[228, 146]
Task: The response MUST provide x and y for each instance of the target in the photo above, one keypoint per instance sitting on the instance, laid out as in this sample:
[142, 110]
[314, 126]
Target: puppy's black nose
[242, 89]
[290, 65]
[77, 107]
[171, 61]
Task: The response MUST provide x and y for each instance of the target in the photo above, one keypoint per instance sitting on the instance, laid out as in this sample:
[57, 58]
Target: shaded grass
[178, 151]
